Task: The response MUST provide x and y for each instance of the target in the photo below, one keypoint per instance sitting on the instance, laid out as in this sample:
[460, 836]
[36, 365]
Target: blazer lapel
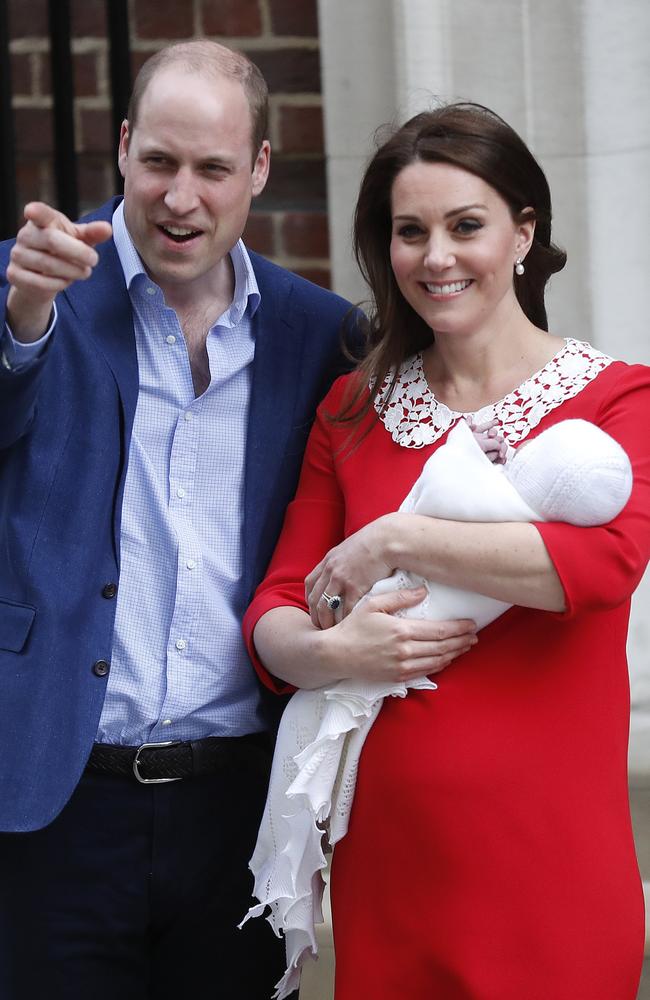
[103, 310]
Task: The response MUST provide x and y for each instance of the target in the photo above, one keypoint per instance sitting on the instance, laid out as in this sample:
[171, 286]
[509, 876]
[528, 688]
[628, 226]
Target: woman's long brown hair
[471, 137]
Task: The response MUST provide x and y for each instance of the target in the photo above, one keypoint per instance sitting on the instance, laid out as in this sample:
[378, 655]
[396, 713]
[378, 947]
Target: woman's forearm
[292, 649]
[507, 561]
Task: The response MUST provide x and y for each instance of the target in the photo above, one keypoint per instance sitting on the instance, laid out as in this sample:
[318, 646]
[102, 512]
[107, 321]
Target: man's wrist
[28, 323]
[16, 355]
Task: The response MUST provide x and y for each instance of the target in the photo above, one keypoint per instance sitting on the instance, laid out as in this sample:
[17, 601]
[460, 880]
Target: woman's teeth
[447, 289]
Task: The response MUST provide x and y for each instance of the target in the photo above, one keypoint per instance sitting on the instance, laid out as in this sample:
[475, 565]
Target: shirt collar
[247, 293]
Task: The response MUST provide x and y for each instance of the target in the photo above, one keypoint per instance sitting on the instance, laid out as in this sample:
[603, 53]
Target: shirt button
[187, 416]
[191, 563]
[180, 492]
[166, 722]
[109, 590]
[180, 644]
[100, 668]
[151, 290]
[171, 339]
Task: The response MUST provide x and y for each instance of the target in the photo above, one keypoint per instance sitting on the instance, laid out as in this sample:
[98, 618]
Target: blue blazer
[65, 427]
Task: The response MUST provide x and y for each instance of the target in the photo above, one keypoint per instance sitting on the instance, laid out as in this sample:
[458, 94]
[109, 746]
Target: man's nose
[182, 196]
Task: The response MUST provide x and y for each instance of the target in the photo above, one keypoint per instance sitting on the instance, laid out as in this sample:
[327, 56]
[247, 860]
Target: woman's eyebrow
[464, 208]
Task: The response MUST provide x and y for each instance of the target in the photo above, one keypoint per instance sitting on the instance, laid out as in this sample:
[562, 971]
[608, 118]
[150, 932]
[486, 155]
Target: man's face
[188, 179]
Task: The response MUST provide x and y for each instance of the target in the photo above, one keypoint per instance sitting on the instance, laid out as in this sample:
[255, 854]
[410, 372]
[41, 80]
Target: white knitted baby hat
[572, 472]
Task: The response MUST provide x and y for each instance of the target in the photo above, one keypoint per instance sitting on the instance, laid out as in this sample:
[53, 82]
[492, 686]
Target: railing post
[7, 144]
[65, 169]
[120, 70]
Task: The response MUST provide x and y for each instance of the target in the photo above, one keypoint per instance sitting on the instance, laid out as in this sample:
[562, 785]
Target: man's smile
[179, 234]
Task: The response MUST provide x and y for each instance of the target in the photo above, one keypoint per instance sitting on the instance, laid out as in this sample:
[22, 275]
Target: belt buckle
[136, 763]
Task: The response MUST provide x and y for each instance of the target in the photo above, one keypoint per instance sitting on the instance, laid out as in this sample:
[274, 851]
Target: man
[155, 396]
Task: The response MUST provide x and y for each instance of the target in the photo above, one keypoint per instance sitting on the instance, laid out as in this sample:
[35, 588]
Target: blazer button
[109, 590]
[100, 668]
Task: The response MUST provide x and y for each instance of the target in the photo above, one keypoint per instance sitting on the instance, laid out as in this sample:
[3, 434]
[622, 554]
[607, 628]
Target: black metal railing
[64, 160]
[65, 173]
[7, 161]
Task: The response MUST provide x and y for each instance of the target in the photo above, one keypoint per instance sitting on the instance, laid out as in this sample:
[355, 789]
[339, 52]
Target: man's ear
[122, 150]
[261, 168]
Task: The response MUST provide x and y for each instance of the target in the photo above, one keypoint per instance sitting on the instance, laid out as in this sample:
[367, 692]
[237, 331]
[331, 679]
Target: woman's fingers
[394, 601]
[329, 609]
[413, 651]
[348, 571]
[377, 645]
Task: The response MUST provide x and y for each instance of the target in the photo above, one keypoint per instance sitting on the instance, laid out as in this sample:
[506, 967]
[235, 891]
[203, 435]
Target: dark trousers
[135, 892]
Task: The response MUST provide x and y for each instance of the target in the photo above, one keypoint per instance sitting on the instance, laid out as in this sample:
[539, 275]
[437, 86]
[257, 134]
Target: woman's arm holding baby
[507, 561]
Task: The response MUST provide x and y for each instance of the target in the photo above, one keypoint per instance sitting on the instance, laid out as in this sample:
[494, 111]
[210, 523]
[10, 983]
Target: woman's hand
[371, 644]
[348, 571]
[375, 645]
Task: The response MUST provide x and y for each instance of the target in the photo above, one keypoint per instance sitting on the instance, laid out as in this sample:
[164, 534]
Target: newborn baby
[571, 472]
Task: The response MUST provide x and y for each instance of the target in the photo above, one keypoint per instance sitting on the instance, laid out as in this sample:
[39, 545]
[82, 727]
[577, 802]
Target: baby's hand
[490, 440]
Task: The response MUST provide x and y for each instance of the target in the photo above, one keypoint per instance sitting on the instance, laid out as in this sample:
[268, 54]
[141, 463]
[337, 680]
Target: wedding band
[333, 602]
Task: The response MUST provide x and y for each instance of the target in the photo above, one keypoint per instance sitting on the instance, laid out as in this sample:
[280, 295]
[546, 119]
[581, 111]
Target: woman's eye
[468, 226]
[409, 231]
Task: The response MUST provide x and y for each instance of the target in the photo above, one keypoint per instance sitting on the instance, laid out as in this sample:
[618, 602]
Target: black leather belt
[157, 763]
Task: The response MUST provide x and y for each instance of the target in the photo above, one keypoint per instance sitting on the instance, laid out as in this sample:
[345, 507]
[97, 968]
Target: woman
[489, 852]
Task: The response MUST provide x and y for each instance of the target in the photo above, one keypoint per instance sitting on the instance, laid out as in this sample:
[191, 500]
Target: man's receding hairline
[189, 69]
[215, 62]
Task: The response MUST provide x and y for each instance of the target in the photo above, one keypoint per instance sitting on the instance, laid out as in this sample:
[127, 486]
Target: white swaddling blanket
[322, 732]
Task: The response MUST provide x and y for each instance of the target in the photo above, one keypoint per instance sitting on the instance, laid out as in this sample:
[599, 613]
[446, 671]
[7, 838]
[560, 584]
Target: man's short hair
[216, 60]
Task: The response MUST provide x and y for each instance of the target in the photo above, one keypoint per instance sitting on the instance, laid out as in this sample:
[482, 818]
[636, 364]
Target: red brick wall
[289, 221]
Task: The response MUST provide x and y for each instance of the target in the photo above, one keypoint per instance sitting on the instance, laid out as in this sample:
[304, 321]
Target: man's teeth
[453, 286]
[178, 231]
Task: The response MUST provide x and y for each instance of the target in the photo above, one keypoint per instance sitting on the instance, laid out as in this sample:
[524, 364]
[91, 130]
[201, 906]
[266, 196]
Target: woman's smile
[447, 289]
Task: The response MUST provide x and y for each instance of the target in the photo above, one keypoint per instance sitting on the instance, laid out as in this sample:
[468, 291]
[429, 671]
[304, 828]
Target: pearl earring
[519, 267]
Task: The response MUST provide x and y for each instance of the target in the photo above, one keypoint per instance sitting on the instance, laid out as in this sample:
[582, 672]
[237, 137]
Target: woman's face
[453, 247]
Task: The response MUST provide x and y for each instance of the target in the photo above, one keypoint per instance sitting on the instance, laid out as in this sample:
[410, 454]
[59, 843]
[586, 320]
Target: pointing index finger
[44, 216]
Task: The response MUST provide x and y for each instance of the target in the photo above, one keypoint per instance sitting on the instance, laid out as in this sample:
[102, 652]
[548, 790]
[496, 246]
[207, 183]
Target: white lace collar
[415, 418]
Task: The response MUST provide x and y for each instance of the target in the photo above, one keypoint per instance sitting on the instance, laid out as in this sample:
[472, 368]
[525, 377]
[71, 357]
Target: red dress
[490, 852]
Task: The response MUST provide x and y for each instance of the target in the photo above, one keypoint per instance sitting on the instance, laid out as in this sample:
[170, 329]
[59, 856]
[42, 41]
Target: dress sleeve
[600, 567]
[313, 524]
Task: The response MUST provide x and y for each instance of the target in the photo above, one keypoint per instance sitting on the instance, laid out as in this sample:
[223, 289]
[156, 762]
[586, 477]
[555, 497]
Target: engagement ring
[334, 602]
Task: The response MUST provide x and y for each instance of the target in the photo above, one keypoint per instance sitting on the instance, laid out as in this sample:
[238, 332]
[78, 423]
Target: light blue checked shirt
[179, 670]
